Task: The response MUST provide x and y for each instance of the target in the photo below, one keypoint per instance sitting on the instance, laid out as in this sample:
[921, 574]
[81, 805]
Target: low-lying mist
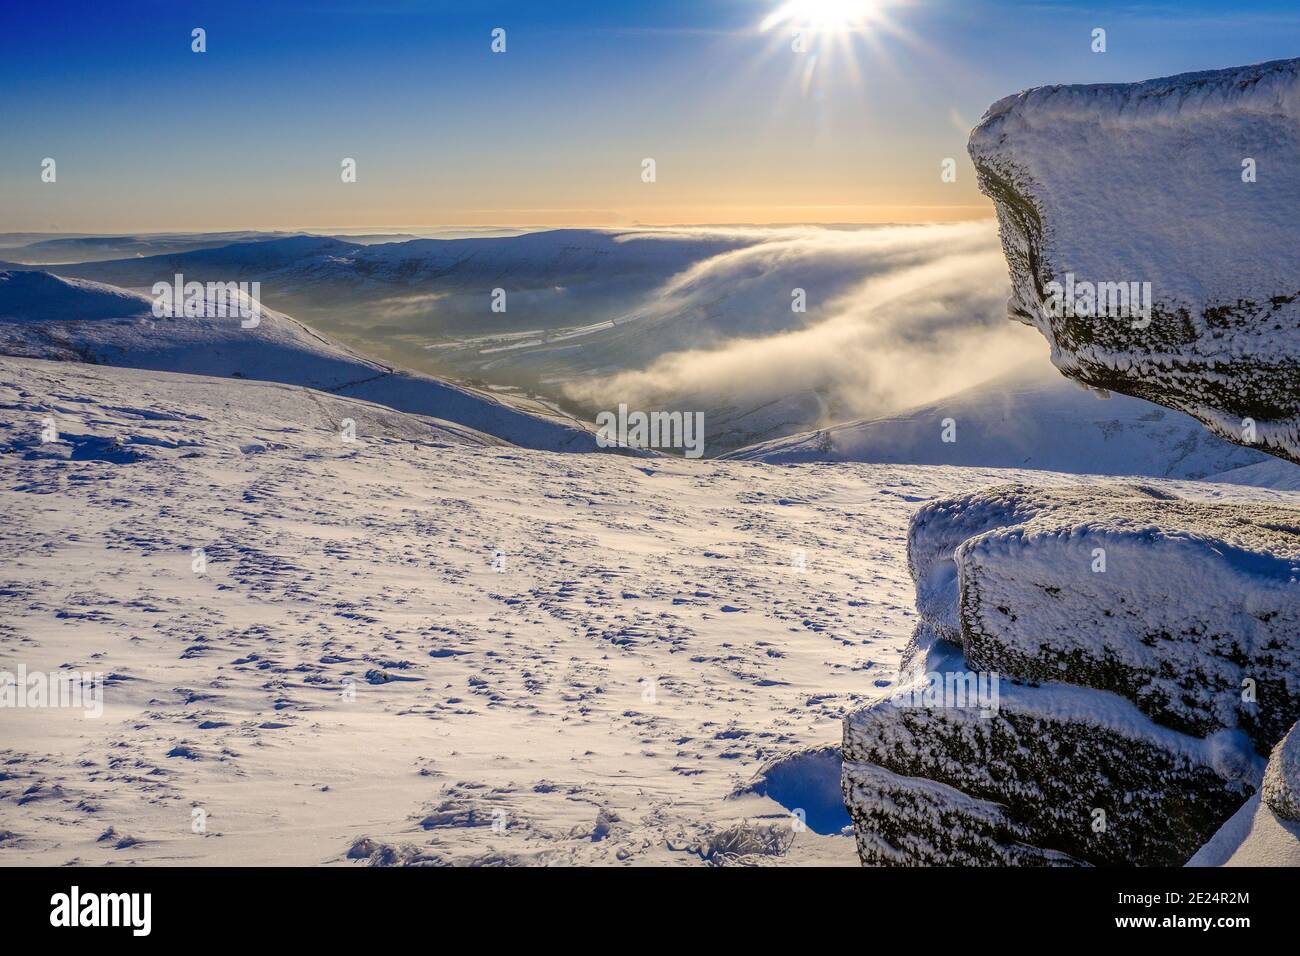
[896, 316]
[765, 330]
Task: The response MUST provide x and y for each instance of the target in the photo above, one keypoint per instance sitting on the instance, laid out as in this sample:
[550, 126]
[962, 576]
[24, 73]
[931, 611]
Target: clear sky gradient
[150, 136]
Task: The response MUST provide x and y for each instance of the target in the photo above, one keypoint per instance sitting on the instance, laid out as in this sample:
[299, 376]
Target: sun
[831, 16]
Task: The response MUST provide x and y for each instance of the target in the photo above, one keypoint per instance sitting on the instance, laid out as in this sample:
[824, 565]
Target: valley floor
[415, 635]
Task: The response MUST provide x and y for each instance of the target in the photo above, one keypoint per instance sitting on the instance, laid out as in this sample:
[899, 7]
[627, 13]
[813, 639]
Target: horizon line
[981, 212]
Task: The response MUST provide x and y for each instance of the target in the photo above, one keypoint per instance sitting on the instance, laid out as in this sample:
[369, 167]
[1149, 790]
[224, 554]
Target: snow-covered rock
[1051, 775]
[44, 316]
[1029, 418]
[1282, 777]
[1190, 610]
[1266, 830]
[1139, 652]
[1143, 651]
[1189, 183]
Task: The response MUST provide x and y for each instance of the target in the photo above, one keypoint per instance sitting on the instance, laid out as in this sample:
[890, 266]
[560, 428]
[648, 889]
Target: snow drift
[1266, 830]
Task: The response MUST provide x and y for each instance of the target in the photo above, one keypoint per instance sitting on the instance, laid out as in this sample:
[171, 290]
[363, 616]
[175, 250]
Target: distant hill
[1029, 418]
[44, 316]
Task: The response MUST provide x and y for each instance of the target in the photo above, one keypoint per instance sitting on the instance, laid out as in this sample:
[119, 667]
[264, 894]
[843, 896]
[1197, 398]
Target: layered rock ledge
[1097, 678]
[1188, 183]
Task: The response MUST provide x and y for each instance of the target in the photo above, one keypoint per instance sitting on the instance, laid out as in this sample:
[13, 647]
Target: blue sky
[149, 135]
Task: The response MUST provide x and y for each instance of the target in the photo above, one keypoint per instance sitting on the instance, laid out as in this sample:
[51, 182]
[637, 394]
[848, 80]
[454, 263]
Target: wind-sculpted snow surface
[1146, 654]
[44, 316]
[423, 647]
[1188, 183]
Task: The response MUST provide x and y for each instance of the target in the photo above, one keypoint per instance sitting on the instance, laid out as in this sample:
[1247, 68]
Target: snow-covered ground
[595, 652]
[1266, 830]
[1254, 836]
[1270, 473]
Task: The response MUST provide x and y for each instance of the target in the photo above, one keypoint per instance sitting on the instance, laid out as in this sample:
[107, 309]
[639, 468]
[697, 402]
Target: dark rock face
[1138, 654]
[940, 787]
[1102, 189]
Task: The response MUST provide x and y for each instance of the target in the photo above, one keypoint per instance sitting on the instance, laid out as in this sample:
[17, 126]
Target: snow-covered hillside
[437, 287]
[1030, 418]
[539, 258]
[1270, 473]
[615, 660]
[44, 316]
[266, 409]
[255, 259]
